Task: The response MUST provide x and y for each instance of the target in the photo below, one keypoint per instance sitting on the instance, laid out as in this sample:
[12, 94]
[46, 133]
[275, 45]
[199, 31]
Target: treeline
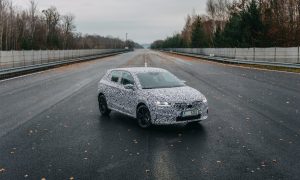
[46, 29]
[240, 23]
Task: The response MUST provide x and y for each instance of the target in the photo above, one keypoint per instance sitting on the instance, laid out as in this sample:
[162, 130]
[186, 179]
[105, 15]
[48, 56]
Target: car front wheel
[143, 116]
[104, 110]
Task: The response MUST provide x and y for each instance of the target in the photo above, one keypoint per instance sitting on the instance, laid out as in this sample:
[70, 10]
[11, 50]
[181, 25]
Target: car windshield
[153, 80]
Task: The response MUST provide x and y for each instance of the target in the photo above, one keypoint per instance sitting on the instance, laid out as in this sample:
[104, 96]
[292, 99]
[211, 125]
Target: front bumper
[165, 116]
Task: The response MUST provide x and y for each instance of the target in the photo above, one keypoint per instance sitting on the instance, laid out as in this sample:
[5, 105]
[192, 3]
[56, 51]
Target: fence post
[23, 52]
[47, 55]
[32, 57]
[41, 56]
[0, 58]
[298, 61]
[275, 54]
[235, 53]
[12, 52]
[254, 54]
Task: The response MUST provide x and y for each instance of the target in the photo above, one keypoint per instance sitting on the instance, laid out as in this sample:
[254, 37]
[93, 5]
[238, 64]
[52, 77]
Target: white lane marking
[146, 64]
[164, 164]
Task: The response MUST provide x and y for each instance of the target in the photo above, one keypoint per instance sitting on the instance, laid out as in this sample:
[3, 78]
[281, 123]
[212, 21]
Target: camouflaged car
[151, 95]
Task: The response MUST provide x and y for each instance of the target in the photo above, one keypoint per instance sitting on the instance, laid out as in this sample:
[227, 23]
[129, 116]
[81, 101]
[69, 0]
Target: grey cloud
[144, 20]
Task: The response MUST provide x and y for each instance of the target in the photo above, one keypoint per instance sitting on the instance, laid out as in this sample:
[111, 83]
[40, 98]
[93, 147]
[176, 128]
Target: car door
[128, 96]
[113, 93]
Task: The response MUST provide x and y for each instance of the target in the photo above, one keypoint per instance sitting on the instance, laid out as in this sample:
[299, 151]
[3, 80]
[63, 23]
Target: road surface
[50, 126]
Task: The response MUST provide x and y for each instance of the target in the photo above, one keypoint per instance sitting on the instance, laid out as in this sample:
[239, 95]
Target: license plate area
[193, 112]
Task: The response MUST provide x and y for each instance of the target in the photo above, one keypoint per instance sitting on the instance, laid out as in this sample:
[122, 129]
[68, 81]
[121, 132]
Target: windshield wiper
[178, 86]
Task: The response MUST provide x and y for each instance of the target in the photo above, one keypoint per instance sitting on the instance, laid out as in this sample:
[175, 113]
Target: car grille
[180, 106]
[183, 106]
[188, 118]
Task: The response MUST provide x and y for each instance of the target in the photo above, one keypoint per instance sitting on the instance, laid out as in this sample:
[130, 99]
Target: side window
[115, 75]
[127, 78]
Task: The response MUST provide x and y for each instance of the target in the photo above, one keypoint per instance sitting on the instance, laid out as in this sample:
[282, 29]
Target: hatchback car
[151, 95]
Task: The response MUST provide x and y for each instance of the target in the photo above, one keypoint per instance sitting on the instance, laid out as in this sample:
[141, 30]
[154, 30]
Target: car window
[115, 75]
[127, 78]
[152, 80]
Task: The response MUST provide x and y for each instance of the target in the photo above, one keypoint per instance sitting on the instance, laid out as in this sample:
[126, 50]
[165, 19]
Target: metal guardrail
[281, 59]
[15, 71]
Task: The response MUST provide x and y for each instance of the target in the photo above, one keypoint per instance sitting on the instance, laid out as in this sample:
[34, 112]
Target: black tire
[104, 110]
[143, 117]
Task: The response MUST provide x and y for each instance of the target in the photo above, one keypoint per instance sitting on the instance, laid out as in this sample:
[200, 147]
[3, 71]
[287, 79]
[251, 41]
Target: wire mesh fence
[289, 55]
[15, 59]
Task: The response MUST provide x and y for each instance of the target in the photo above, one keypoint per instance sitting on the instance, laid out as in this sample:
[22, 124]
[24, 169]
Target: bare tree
[9, 22]
[211, 8]
[32, 19]
[3, 4]
[187, 31]
[52, 20]
[219, 12]
[30, 29]
[68, 27]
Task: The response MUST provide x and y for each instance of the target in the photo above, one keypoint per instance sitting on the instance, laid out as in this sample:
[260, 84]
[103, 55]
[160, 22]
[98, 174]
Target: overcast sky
[144, 20]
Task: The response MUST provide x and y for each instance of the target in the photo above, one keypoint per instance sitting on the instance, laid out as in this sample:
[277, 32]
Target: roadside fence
[19, 59]
[274, 55]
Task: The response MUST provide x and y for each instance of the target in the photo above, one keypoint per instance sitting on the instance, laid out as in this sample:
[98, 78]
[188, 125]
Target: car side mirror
[129, 86]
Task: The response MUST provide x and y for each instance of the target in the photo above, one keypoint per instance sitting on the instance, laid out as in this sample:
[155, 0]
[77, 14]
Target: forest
[239, 23]
[31, 28]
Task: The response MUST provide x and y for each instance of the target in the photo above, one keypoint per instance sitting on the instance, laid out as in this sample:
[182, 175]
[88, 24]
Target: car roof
[136, 70]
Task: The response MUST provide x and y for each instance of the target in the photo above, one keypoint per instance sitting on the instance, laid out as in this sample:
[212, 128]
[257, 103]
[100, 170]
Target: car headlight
[162, 104]
[204, 100]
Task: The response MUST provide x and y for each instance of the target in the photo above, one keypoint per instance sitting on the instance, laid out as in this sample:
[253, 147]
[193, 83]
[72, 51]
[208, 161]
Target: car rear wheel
[143, 117]
[104, 110]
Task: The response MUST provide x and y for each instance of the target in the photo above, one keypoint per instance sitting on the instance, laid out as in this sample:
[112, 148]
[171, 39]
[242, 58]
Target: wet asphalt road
[50, 126]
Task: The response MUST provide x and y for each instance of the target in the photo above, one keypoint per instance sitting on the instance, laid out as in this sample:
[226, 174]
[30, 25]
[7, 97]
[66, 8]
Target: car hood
[176, 94]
